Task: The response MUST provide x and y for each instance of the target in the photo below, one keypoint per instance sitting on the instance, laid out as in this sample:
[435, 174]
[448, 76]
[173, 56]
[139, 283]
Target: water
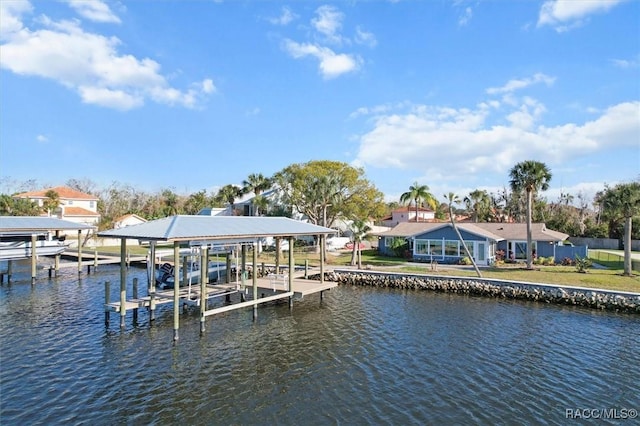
[362, 356]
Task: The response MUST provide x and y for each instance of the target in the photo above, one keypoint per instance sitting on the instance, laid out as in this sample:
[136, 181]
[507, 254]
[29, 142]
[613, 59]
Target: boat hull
[165, 279]
[13, 250]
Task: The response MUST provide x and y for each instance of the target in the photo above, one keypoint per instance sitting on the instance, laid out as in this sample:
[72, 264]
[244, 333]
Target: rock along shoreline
[617, 301]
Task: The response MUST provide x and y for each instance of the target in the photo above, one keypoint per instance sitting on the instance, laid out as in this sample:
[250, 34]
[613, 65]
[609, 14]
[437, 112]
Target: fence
[612, 260]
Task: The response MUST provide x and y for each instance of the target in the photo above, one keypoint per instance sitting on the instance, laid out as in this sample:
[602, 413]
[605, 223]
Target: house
[128, 220]
[439, 241]
[408, 214]
[74, 206]
[216, 211]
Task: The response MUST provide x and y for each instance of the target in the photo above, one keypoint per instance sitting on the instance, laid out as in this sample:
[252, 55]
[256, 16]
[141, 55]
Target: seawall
[618, 301]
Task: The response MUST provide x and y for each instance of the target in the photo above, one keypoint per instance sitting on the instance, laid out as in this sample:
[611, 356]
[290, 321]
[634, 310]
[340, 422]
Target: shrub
[567, 261]
[499, 255]
[465, 261]
[582, 264]
[549, 261]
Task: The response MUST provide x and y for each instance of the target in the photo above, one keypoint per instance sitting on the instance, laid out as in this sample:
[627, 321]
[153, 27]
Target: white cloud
[42, 138]
[331, 64]
[285, 18]
[431, 139]
[627, 63]
[94, 10]
[513, 85]
[564, 15]
[10, 15]
[465, 17]
[366, 38]
[88, 63]
[328, 22]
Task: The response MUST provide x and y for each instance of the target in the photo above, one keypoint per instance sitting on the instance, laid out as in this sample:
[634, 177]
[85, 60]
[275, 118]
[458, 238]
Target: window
[470, 247]
[92, 204]
[435, 247]
[422, 247]
[451, 248]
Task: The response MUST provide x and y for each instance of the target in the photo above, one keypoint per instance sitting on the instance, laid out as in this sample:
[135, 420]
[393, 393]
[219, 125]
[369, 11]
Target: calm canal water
[362, 356]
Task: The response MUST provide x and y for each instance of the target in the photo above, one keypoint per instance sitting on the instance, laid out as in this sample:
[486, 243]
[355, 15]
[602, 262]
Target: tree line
[325, 191]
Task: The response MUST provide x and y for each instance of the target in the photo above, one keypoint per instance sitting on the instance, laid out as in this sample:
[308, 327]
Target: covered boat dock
[227, 235]
[30, 229]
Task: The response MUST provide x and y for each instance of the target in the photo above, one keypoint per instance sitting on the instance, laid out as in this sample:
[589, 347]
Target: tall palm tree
[454, 199]
[417, 194]
[359, 230]
[529, 176]
[623, 200]
[256, 183]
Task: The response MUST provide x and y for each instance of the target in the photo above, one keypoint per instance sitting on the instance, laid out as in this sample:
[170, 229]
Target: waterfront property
[226, 236]
[428, 242]
[74, 206]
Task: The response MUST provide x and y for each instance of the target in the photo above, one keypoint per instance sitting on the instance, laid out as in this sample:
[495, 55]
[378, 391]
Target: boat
[165, 279]
[13, 250]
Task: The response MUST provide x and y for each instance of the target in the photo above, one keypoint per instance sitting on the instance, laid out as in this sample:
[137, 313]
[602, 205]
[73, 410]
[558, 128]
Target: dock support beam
[135, 297]
[292, 268]
[152, 281]
[80, 251]
[107, 300]
[123, 278]
[34, 239]
[204, 277]
[176, 290]
[254, 280]
[322, 260]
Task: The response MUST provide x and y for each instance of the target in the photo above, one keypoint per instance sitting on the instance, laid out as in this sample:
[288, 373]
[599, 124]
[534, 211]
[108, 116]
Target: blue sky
[194, 95]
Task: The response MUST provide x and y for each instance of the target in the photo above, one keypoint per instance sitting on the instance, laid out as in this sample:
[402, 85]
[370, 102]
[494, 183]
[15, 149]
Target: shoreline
[615, 301]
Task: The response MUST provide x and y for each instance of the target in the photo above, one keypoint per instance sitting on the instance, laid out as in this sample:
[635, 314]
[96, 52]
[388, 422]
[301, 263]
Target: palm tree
[623, 200]
[51, 202]
[359, 230]
[478, 204]
[418, 193]
[228, 194]
[529, 176]
[256, 183]
[454, 199]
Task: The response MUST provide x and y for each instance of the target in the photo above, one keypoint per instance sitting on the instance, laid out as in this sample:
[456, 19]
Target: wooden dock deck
[269, 288]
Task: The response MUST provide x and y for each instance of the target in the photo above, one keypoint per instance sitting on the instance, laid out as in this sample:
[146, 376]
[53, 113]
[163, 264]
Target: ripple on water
[363, 356]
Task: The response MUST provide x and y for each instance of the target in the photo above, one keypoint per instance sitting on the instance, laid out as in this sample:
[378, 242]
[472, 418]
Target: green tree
[478, 204]
[529, 176]
[623, 201]
[196, 202]
[419, 194]
[229, 194]
[256, 183]
[10, 206]
[326, 190]
[359, 229]
[451, 200]
[51, 202]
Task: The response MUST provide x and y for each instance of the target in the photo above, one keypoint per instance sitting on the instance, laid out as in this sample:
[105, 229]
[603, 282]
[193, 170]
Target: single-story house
[128, 220]
[439, 242]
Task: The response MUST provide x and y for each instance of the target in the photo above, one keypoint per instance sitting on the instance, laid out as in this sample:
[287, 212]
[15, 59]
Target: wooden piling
[107, 300]
[34, 239]
[204, 277]
[255, 280]
[176, 290]
[95, 259]
[9, 271]
[135, 297]
[152, 282]
[56, 264]
[292, 269]
[123, 281]
[79, 252]
[306, 269]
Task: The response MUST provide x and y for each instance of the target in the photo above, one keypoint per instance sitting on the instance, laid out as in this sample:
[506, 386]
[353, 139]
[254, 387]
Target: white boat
[12, 250]
[165, 280]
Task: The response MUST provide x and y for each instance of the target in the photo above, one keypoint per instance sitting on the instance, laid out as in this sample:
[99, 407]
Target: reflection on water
[362, 356]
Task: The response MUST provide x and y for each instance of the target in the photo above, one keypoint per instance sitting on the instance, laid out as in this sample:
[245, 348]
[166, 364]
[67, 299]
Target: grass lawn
[610, 279]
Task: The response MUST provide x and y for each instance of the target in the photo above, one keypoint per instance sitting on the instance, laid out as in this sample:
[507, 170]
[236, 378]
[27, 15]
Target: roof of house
[78, 211]
[64, 192]
[219, 228]
[131, 215]
[493, 231]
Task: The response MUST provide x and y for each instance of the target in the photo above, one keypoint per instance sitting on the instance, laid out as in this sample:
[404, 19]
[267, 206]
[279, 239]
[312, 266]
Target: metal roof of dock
[202, 228]
[23, 225]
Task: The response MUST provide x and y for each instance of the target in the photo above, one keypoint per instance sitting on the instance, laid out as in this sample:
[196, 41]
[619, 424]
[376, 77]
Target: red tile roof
[64, 193]
[78, 211]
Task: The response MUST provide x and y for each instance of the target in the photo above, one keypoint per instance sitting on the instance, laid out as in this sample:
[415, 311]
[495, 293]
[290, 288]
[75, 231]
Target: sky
[192, 95]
